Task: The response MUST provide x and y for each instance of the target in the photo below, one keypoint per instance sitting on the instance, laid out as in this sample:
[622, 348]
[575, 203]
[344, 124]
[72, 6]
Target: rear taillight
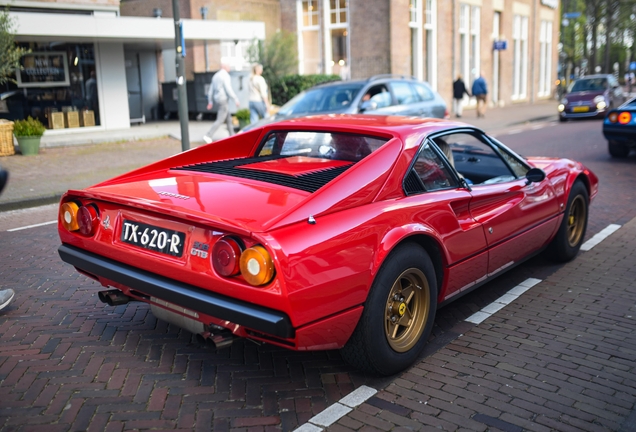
[68, 215]
[613, 117]
[624, 117]
[87, 220]
[77, 217]
[257, 267]
[226, 255]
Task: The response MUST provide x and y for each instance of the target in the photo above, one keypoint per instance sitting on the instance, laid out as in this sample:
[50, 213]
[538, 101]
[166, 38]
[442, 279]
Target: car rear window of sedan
[324, 145]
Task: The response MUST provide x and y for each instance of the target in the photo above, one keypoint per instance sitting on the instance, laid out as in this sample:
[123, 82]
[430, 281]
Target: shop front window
[57, 85]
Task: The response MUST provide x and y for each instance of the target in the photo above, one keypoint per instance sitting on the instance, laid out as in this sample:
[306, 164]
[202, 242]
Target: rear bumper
[248, 315]
[625, 134]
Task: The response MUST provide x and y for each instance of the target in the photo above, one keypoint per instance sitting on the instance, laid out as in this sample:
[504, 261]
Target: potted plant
[243, 117]
[28, 133]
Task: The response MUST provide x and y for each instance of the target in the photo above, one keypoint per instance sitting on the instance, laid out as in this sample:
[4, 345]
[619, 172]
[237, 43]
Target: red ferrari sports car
[329, 232]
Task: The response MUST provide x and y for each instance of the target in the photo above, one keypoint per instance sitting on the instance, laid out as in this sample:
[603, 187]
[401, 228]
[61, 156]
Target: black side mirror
[535, 175]
[368, 106]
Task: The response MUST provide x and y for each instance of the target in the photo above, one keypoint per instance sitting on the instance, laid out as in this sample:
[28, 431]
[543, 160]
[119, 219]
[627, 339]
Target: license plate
[153, 238]
[580, 109]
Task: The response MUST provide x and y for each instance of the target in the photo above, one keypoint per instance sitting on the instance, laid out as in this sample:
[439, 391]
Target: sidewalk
[79, 160]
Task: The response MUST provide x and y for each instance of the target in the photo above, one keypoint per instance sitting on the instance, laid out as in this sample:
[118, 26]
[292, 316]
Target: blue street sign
[500, 45]
[632, 66]
[571, 15]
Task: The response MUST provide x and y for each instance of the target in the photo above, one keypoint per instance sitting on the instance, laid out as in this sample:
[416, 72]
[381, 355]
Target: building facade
[512, 42]
[92, 67]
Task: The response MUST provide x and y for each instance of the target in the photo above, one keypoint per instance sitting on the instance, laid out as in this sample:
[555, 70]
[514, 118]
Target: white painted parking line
[503, 301]
[338, 410]
[599, 237]
[32, 226]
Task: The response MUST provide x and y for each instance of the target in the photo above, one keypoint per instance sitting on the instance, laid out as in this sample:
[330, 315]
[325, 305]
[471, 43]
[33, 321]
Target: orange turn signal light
[613, 117]
[68, 215]
[624, 117]
[257, 266]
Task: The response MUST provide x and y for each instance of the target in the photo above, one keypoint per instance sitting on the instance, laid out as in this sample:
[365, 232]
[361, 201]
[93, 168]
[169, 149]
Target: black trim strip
[188, 296]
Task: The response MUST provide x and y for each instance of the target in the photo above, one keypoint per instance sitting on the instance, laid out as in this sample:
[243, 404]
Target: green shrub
[290, 85]
[28, 127]
[243, 114]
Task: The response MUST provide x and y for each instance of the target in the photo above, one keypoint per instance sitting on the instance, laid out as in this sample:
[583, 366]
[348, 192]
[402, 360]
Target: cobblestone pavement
[560, 357]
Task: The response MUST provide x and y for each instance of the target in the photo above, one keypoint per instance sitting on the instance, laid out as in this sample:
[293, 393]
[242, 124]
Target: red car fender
[398, 235]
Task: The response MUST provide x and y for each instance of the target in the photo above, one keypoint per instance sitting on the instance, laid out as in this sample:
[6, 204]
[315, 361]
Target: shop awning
[137, 30]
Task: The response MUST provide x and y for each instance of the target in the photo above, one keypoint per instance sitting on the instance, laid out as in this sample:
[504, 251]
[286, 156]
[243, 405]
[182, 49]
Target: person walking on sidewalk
[480, 91]
[459, 89]
[219, 94]
[258, 94]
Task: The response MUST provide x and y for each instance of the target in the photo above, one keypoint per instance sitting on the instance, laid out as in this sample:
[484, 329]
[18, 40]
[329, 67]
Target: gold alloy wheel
[407, 309]
[576, 220]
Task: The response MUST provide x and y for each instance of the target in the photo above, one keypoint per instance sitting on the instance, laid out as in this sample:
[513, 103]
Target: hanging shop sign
[43, 69]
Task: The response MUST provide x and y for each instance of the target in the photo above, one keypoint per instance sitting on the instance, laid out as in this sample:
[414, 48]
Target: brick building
[513, 42]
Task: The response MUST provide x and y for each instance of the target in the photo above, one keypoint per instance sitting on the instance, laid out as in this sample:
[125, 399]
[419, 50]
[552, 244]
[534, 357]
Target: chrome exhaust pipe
[223, 339]
[113, 297]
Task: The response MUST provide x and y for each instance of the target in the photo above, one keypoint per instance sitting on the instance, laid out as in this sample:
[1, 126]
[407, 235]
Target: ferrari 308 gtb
[327, 232]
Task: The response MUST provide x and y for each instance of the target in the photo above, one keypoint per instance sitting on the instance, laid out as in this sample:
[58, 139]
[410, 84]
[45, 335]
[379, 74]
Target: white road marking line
[599, 237]
[338, 410]
[503, 301]
[32, 226]
[514, 131]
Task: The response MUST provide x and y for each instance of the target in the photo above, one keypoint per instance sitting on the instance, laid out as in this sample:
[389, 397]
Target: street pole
[182, 92]
[204, 15]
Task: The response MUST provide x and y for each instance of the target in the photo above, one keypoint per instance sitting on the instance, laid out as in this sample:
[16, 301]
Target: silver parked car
[380, 94]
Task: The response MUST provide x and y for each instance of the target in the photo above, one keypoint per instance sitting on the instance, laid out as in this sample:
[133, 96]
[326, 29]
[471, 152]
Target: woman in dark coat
[459, 89]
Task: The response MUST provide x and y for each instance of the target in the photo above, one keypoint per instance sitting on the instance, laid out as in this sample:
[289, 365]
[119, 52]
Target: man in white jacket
[219, 94]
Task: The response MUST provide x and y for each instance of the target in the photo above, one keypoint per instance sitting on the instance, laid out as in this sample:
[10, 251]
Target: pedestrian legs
[222, 115]
[481, 105]
[457, 107]
[257, 111]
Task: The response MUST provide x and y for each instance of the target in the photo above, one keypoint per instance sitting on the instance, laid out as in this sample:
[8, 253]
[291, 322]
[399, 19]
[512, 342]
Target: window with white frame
[430, 27]
[415, 25]
[475, 64]
[545, 58]
[469, 52]
[337, 38]
[309, 44]
[464, 65]
[520, 57]
[235, 54]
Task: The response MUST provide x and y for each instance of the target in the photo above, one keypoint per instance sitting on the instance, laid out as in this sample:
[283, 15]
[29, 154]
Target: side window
[423, 92]
[403, 93]
[432, 171]
[379, 95]
[474, 159]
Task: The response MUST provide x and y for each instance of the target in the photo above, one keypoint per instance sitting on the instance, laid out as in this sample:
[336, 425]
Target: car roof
[368, 124]
[379, 78]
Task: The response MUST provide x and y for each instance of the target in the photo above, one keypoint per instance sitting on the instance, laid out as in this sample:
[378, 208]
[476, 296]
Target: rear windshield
[322, 99]
[325, 145]
[592, 84]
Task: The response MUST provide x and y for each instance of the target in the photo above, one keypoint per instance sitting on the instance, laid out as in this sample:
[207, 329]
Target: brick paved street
[561, 357]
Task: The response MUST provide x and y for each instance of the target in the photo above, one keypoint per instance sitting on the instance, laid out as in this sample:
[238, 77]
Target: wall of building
[371, 41]
[267, 11]
[113, 94]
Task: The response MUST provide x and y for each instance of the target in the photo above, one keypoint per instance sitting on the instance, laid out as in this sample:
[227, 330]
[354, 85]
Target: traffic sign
[500, 45]
[571, 15]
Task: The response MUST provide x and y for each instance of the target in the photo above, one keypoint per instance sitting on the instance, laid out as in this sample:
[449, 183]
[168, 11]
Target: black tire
[562, 119]
[617, 150]
[569, 237]
[393, 329]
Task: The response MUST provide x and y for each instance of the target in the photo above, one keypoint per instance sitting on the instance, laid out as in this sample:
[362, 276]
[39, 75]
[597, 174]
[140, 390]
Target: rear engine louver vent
[412, 183]
[310, 182]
